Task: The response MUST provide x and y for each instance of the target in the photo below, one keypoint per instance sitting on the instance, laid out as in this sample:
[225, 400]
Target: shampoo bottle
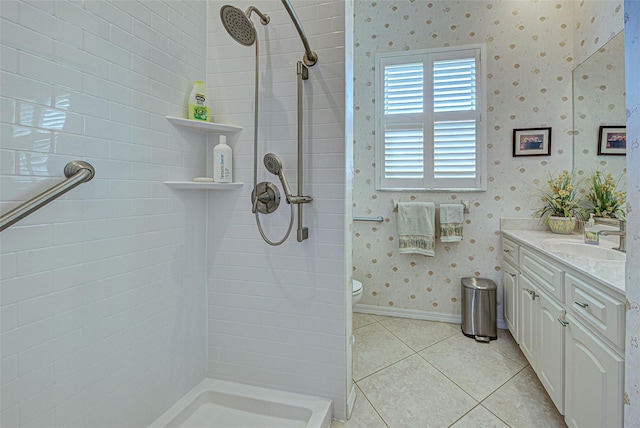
[198, 107]
[222, 162]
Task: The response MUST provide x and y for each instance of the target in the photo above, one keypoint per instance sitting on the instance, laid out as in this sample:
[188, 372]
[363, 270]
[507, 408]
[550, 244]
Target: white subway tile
[149, 34]
[38, 406]
[7, 163]
[44, 22]
[78, 59]
[77, 16]
[48, 71]
[22, 88]
[157, 7]
[109, 13]
[106, 129]
[7, 113]
[8, 263]
[33, 115]
[8, 317]
[102, 88]
[106, 50]
[135, 10]
[24, 337]
[9, 59]
[24, 39]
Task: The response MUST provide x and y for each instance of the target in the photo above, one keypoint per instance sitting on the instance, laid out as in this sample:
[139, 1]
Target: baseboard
[351, 400]
[416, 314]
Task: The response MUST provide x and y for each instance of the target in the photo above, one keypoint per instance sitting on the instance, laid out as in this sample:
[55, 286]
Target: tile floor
[412, 373]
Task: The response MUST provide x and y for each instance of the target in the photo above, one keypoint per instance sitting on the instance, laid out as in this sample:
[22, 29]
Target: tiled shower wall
[277, 313]
[103, 321]
[530, 56]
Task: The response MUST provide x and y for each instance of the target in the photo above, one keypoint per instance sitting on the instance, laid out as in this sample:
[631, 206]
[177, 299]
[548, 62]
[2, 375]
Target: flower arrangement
[605, 200]
[561, 199]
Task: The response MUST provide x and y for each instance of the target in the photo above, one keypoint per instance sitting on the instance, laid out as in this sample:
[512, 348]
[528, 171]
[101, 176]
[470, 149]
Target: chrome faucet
[622, 233]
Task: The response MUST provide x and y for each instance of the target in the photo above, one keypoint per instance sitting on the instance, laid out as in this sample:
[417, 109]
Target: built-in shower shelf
[207, 127]
[192, 185]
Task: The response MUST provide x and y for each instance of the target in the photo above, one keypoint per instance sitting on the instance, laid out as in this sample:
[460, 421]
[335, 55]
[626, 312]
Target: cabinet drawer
[542, 272]
[598, 310]
[510, 251]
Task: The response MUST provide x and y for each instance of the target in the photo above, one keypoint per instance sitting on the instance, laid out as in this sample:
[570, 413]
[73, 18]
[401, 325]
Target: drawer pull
[513, 275]
[564, 323]
[506, 251]
[532, 293]
[582, 305]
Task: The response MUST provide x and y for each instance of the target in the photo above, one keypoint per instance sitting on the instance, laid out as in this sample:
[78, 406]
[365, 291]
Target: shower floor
[221, 404]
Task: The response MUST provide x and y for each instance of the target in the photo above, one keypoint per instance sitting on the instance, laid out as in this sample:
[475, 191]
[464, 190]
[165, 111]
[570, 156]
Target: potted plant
[604, 199]
[562, 204]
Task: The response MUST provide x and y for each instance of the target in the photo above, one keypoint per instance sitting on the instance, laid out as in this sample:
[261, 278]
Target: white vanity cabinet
[571, 329]
[542, 334]
[595, 354]
[510, 274]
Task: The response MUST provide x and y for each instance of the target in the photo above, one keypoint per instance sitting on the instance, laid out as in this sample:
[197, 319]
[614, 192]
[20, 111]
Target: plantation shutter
[428, 123]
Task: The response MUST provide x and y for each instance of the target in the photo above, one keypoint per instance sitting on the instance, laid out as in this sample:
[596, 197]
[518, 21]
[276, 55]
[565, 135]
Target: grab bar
[378, 219]
[77, 172]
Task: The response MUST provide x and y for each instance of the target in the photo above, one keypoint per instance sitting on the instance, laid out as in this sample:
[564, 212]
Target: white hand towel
[416, 228]
[451, 222]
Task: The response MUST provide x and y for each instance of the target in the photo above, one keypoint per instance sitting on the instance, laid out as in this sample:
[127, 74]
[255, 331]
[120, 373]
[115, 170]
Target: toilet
[357, 292]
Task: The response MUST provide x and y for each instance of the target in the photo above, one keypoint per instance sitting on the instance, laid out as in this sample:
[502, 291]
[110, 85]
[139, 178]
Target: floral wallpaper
[530, 56]
[632, 348]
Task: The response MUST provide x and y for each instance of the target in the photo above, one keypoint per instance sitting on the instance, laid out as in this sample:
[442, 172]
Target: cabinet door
[550, 349]
[510, 299]
[594, 380]
[527, 320]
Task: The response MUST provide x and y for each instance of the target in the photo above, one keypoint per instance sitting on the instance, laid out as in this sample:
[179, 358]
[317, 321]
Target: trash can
[479, 309]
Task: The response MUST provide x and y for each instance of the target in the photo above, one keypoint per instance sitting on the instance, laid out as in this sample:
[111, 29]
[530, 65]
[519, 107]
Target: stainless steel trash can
[479, 309]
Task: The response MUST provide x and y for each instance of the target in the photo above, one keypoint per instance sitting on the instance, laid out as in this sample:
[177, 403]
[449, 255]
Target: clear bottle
[198, 107]
[222, 162]
[590, 232]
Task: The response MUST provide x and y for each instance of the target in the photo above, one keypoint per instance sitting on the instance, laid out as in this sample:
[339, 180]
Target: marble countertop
[609, 273]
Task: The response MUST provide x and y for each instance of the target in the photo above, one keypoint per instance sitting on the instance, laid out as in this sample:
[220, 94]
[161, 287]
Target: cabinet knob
[563, 322]
[506, 251]
[513, 275]
[582, 305]
[532, 293]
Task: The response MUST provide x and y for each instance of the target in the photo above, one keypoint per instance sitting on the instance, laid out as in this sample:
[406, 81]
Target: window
[430, 133]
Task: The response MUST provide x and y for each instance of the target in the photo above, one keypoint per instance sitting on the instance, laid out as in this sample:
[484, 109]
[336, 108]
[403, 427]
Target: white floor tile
[376, 348]
[412, 393]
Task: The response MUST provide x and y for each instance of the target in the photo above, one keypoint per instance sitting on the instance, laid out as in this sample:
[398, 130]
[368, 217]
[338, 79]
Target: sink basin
[576, 248]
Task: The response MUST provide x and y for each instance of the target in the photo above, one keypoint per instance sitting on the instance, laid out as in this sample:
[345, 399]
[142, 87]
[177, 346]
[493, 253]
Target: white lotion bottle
[222, 162]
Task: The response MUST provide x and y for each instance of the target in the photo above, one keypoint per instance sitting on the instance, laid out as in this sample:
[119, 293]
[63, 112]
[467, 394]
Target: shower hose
[255, 163]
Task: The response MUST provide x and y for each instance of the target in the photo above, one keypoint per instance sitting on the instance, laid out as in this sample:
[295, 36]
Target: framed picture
[612, 140]
[532, 142]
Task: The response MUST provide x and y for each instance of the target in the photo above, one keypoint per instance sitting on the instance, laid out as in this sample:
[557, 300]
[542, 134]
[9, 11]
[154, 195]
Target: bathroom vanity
[564, 304]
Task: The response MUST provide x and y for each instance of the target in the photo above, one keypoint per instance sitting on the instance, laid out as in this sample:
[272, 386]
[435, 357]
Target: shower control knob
[265, 197]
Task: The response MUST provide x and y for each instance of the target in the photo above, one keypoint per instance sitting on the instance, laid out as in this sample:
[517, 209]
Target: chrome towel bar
[378, 219]
[465, 205]
[77, 172]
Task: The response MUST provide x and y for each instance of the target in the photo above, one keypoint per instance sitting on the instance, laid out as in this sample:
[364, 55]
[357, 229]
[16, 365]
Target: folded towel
[451, 222]
[416, 227]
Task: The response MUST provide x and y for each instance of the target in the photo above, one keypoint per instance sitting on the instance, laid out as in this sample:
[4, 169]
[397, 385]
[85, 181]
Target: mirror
[599, 100]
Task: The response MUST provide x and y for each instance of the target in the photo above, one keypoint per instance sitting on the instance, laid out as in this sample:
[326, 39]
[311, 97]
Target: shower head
[272, 163]
[238, 24]
[274, 166]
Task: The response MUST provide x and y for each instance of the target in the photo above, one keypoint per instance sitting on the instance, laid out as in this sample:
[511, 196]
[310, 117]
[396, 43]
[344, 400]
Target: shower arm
[264, 18]
[310, 57]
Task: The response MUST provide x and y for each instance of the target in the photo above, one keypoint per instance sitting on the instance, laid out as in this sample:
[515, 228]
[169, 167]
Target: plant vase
[562, 225]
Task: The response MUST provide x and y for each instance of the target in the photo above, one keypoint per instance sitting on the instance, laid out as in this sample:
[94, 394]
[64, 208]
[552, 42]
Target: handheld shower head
[238, 24]
[272, 163]
[274, 166]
